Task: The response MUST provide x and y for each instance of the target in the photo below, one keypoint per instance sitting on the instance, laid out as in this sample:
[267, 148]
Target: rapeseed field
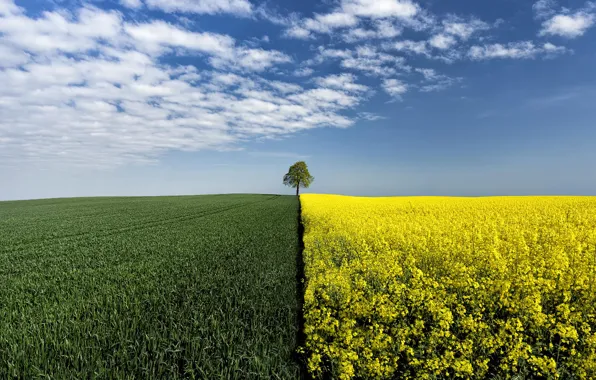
[438, 287]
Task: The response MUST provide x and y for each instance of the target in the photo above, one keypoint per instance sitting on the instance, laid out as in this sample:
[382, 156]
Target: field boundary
[300, 287]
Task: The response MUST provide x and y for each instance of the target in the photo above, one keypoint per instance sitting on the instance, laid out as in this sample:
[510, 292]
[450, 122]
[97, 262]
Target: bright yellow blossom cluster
[438, 287]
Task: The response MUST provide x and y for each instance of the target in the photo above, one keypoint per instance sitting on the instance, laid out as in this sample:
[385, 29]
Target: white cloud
[421, 22]
[513, 50]
[325, 98]
[435, 87]
[134, 4]
[524, 49]
[439, 84]
[304, 72]
[8, 7]
[463, 29]
[152, 110]
[227, 79]
[369, 66]
[325, 53]
[344, 82]
[370, 116]
[364, 58]
[386, 29]
[334, 20]
[429, 74]
[447, 35]
[266, 12]
[449, 56]
[90, 87]
[434, 81]
[251, 59]
[298, 32]
[11, 57]
[371, 19]
[552, 49]
[409, 46]
[375, 19]
[544, 8]
[256, 41]
[325, 23]
[158, 35]
[235, 7]
[380, 8]
[54, 32]
[92, 90]
[442, 41]
[383, 29]
[285, 87]
[347, 15]
[395, 87]
[570, 26]
[359, 34]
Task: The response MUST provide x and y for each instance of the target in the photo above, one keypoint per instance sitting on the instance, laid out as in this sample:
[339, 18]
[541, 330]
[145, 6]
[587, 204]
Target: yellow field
[437, 287]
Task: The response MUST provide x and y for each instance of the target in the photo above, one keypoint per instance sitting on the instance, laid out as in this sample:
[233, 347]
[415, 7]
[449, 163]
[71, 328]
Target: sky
[379, 97]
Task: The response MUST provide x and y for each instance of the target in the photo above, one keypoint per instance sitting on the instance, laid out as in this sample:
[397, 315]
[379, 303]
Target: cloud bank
[96, 87]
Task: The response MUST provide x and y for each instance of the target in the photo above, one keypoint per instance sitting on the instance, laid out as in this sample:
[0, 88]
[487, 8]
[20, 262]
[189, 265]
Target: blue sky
[379, 97]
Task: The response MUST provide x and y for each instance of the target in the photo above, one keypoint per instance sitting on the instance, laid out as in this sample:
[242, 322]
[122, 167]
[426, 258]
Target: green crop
[145, 288]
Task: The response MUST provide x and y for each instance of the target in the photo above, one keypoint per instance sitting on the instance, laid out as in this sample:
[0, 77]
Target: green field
[151, 287]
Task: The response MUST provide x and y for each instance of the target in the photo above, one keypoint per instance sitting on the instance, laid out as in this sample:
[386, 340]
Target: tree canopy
[298, 176]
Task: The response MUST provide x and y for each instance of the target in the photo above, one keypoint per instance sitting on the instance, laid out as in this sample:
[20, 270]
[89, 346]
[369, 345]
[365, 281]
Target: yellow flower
[436, 287]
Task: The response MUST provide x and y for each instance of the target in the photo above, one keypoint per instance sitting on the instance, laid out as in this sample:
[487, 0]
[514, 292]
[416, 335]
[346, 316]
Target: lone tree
[298, 176]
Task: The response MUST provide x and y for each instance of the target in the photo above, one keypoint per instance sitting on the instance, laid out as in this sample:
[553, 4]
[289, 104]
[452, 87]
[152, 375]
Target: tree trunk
[298, 189]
